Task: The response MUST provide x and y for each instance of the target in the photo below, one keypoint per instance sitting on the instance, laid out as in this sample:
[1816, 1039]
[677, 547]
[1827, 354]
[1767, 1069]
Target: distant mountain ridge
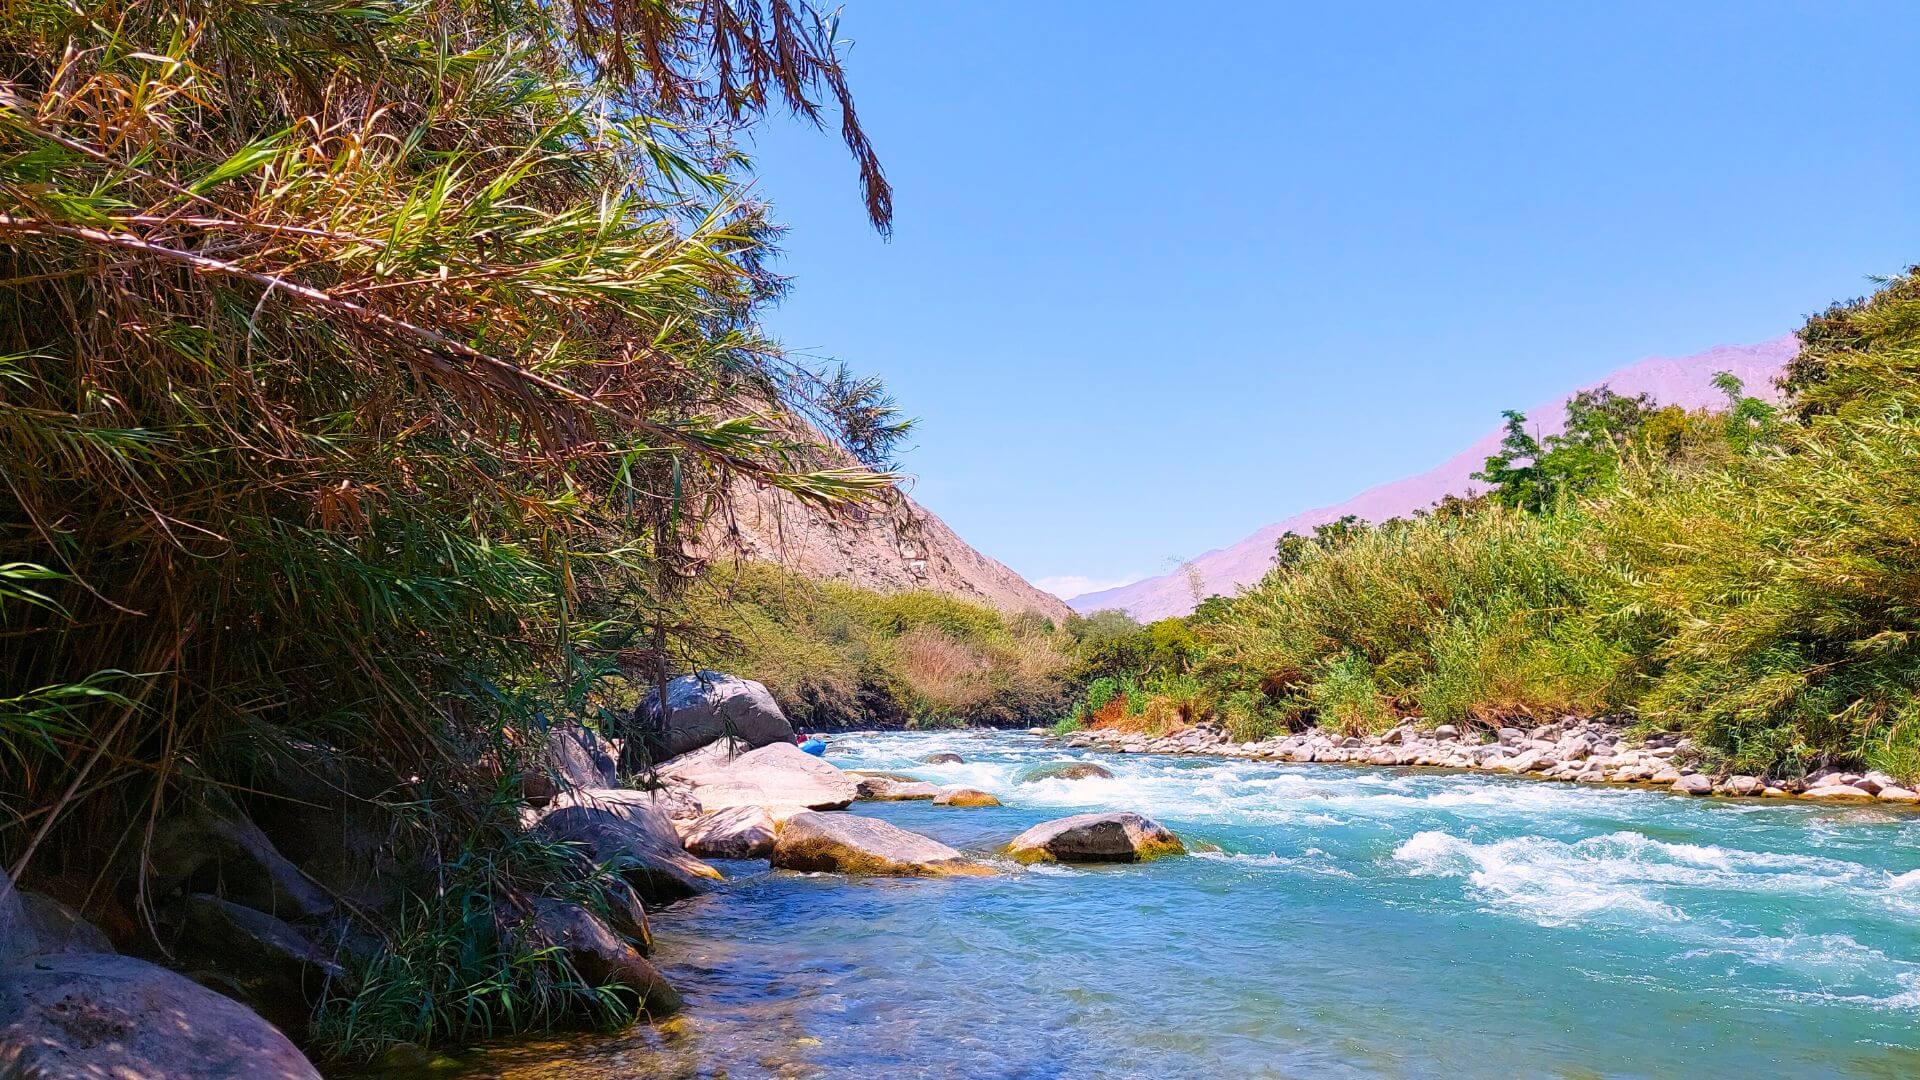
[894, 545]
[1686, 381]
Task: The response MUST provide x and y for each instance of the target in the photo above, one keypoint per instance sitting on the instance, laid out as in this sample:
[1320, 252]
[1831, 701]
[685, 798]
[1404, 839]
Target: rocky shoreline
[1573, 749]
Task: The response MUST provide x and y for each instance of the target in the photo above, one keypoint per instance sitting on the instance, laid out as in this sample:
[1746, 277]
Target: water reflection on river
[1337, 922]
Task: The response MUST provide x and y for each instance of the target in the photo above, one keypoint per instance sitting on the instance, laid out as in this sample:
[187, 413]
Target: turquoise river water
[1332, 922]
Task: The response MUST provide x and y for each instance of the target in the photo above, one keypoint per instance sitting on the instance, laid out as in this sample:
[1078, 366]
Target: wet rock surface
[848, 844]
[1114, 836]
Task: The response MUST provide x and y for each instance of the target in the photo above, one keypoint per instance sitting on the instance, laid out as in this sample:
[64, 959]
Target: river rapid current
[1329, 921]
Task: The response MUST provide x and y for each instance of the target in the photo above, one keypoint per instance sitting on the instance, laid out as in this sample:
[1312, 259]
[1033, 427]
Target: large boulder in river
[738, 832]
[707, 705]
[780, 774]
[1063, 770]
[858, 845]
[97, 1015]
[627, 830]
[1106, 837]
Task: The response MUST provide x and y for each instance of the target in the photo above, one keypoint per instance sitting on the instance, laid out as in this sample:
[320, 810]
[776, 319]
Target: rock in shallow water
[738, 832]
[1106, 837]
[626, 829]
[887, 789]
[858, 845]
[1063, 770]
[601, 957]
[944, 757]
[1693, 784]
[965, 796]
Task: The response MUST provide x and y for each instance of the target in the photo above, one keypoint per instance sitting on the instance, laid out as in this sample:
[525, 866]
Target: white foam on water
[1311, 860]
[1551, 882]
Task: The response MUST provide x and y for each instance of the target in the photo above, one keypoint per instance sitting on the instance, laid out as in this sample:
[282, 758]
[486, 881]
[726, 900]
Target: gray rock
[887, 789]
[1897, 794]
[209, 846]
[848, 844]
[602, 959]
[965, 797]
[707, 705]
[779, 774]
[1062, 770]
[251, 956]
[17, 939]
[737, 832]
[1693, 784]
[1837, 791]
[1446, 731]
[97, 1015]
[55, 927]
[1103, 837]
[579, 757]
[1740, 786]
[628, 830]
[1511, 736]
[944, 757]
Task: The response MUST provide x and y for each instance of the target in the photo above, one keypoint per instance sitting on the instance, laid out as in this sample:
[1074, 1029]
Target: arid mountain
[1685, 381]
[890, 548]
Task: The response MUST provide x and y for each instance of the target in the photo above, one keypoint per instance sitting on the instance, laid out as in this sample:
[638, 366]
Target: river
[1332, 921]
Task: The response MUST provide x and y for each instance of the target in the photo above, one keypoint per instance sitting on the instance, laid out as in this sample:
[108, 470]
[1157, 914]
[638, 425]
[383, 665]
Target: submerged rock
[965, 797]
[738, 832]
[1063, 770]
[857, 845]
[707, 706]
[780, 774]
[944, 757]
[1104, 837]
[86, 1015]
[629, 831]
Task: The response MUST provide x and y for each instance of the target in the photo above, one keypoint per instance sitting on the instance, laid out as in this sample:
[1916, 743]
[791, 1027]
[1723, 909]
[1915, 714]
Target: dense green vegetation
[361, 367]
[1746, 576]
[838, 656]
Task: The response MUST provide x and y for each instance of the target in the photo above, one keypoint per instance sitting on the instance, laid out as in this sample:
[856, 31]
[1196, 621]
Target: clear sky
[1159, 280]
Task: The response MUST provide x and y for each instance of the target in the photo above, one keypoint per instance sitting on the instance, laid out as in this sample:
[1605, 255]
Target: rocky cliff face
[892, 547]
[1686, 381]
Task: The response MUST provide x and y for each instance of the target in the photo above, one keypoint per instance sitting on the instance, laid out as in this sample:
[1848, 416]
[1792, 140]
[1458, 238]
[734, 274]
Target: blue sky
[1156, 282]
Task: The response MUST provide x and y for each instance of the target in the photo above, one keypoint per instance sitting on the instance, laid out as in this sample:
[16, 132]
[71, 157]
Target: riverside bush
[838, 656]
[360, 365]
[1749, 576]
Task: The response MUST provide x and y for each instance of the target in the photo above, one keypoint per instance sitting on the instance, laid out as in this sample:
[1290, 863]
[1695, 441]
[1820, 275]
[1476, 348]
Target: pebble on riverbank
[1586, 751]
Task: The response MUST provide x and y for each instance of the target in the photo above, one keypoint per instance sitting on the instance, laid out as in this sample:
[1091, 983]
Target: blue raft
[816, 747]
